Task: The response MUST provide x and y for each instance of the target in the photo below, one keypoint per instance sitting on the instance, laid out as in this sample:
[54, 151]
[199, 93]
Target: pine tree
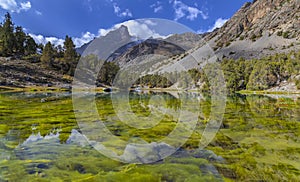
[70, 52]
[59, 51]
[20, 37]
[30, 46]
[7, 36]
[48, 53]
[70, 55]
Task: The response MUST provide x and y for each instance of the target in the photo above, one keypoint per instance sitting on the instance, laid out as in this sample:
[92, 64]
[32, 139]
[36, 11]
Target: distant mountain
[104, 46]
[81, 49]
[259, 28]
[133, 50]
[122, 50]
[125, 49]
[186, 41]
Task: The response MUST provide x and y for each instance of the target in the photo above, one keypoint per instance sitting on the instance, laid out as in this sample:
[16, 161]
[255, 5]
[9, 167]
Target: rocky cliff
[253, 20]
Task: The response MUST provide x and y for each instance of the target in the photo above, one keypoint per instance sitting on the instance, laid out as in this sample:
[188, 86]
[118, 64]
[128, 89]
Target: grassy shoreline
[260, 92]
[40, 89]
[101, 89]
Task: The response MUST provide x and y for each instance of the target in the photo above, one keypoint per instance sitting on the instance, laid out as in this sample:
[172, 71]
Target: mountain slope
[147, 47]
[22, 73]
[258, 29]
[186, 40]
[104, 46]
[262, 16]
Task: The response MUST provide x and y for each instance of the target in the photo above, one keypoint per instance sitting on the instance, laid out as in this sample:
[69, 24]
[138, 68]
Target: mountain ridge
[257, 29]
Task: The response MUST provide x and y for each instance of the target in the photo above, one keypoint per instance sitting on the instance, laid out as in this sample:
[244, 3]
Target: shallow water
[41, 138]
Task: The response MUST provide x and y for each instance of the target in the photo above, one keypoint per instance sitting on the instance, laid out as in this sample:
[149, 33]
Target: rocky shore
[23, 74]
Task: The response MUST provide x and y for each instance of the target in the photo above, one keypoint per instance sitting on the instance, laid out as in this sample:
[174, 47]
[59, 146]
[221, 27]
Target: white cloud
[88, 4]
[201, 31]
[149, 22]
[117, 9]
[13, 6]
[78, 41]
[85, 38]
[120, 13]
[55, 41]
[136, 28]
[193, 13]
[8, 4]
[126, 13]
[38, 13]
[103, 32]
[140, 29]
[25, 6]
[218, 24]
[39, 39]
[157, 7]
[182, 10]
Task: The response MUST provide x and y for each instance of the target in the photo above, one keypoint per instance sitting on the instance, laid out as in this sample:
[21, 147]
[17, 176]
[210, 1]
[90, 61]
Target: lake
[46, 137]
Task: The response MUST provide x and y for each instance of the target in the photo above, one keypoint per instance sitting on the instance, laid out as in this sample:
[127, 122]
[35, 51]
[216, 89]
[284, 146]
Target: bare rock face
[187, 40]
[103, 46]
[148, 47]
[281, 17]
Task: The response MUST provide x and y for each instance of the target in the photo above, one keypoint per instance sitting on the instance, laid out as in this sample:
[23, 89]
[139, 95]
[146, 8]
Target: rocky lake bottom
[41, 139]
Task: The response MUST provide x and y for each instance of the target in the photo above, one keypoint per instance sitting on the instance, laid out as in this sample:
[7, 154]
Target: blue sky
[51, 20]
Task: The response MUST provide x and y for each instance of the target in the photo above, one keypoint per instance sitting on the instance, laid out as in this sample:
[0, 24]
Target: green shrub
[253, 37]
[32, 57]
[297, 82]
[286, 34]
[279, 33]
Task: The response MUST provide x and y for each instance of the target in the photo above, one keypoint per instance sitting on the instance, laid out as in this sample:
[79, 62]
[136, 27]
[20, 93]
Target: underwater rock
[207, 154]
[79, 168]
[198, 153]
[33, 138]
[42, 166]
[77, 138]
[140, 153]
[37, 146]
[107, 90]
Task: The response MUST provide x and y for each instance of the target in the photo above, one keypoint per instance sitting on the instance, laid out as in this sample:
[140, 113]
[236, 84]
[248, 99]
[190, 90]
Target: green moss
[259, 140]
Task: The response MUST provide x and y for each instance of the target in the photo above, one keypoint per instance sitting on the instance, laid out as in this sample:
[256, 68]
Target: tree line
[262, 74]
[241, 74]
[14, 42]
